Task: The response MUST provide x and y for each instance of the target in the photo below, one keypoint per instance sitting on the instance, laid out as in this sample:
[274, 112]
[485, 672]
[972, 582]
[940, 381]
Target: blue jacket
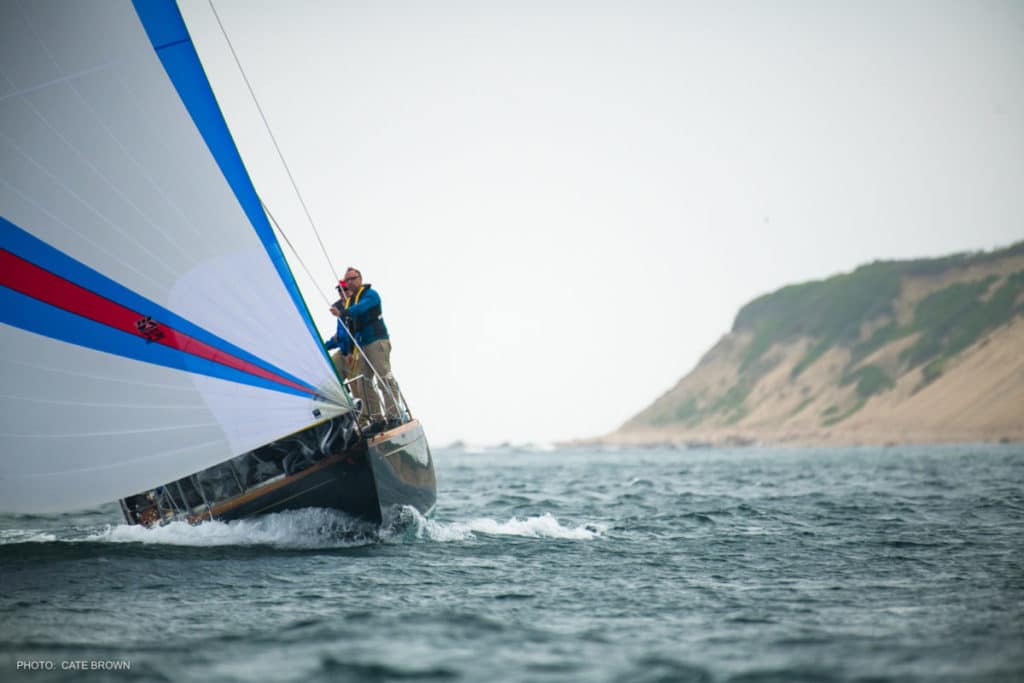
[364, 316]
[340, 340]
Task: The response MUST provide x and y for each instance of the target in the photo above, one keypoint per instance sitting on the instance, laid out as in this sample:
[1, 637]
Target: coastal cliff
[916, 351]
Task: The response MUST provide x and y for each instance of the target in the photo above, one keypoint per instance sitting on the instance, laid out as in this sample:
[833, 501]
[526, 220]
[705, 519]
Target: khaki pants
[343, 364]
[378, 354]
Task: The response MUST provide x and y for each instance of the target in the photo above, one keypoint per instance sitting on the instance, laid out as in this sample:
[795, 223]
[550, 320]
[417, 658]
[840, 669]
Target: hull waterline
[364, 478]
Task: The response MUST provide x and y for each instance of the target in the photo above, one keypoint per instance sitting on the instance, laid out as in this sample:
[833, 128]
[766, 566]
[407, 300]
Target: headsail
[150, 326]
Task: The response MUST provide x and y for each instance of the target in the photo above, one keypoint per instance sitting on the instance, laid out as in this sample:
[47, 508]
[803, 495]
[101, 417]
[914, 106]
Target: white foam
[25, 536]
[309, 528]
[439, 531]
[541, 526]
[316, 528]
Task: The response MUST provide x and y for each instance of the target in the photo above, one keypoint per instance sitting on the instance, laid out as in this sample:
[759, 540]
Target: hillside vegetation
[875, 355]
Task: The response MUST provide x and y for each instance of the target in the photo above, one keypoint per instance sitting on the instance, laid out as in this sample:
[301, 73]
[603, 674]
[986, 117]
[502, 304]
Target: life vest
[369, 327]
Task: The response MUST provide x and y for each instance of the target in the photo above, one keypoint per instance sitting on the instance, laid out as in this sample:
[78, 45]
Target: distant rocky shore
[920, 351]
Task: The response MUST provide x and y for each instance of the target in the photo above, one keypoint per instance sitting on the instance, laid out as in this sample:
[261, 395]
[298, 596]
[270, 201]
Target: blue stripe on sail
[173, 45]
[19, 310]
[31, 248]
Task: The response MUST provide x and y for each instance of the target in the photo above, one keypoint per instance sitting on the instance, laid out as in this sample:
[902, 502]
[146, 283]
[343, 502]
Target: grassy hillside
[849, 338]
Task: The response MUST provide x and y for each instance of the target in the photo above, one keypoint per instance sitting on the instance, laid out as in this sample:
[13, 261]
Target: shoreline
[789, 439]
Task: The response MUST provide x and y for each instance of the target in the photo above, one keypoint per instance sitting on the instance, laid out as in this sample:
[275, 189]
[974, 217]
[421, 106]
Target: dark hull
[402, 468]
[366, 479]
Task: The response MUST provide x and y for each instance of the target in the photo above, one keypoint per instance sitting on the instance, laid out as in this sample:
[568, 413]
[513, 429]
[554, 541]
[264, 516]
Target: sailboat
[156, 348]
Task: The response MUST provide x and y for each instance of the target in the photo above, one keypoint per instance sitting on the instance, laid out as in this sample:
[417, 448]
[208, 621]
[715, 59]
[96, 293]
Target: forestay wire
[294, 251]
[277, 147]
[309, 217]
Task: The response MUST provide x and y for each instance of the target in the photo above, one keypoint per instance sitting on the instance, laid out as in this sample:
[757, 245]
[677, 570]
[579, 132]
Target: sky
[563, 205]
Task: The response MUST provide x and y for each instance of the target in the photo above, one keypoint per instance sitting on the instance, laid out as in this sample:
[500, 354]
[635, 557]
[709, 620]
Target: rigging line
[280, 155]
[373, 370]
[99, 173]
[94, 210]
[294, 251]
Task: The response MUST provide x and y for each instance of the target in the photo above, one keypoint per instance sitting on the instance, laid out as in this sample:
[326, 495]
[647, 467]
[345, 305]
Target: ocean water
[867, 564]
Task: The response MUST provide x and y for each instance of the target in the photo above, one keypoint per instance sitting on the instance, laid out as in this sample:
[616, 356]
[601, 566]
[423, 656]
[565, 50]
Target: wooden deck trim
[401, 429]
[252, 494]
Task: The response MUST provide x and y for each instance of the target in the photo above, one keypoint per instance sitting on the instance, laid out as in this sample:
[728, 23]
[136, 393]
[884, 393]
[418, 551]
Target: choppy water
[896, 564]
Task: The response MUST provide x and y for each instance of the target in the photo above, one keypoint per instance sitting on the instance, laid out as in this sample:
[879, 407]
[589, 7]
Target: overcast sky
[563, 204]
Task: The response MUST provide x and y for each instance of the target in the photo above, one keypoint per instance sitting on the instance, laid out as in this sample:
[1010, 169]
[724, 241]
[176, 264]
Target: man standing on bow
[361, 310]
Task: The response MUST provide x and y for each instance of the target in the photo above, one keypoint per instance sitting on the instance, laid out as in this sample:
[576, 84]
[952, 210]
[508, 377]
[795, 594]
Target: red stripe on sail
[23, 276]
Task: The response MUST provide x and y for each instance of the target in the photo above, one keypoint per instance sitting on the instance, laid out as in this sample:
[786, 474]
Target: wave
[540, 526]
[505, 448]
[311, 529]
[11, 536]
[299, 529]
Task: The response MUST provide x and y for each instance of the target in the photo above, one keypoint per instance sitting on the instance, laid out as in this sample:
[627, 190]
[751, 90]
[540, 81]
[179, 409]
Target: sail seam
[57, 81]
[171, 44]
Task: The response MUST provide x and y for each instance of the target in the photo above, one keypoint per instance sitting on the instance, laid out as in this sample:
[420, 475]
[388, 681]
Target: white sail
[149, 324]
